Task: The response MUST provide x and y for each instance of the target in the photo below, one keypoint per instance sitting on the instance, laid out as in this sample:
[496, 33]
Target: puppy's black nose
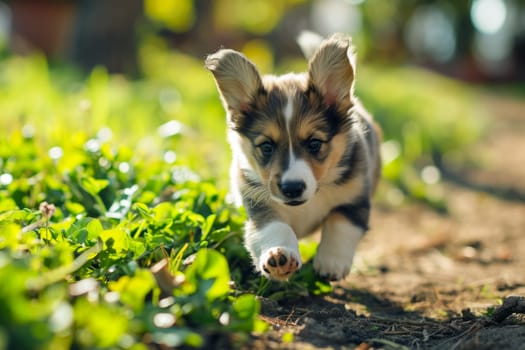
[292, 189]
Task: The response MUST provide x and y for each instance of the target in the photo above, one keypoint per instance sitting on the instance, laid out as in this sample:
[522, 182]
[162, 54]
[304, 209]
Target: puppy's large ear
[331, 72]
[237, 79]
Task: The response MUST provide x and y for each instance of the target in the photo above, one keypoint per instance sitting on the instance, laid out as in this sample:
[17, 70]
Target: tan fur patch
[337, 148]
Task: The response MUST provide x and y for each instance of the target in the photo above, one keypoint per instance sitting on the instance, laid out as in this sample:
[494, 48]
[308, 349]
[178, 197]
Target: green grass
[420, 113]
[135, 173]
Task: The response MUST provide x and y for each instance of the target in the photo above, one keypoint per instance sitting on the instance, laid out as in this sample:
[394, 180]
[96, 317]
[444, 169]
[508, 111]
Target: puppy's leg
[274, 250]
[341, 233]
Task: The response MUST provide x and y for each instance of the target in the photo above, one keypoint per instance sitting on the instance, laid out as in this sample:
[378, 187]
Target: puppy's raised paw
[279, 263]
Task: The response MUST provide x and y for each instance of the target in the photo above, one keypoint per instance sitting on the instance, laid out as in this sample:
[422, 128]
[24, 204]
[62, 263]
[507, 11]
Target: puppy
[305, 156]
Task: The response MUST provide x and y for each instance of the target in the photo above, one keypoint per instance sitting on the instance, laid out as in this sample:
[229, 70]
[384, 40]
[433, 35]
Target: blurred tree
[105, 34]
[41, 25]
[475, 40]
[89, 32]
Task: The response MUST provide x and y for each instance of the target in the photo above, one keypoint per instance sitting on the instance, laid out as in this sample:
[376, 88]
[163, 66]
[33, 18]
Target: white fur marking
[288, 112]
[299, 170]
[336, 251]
[274, 234]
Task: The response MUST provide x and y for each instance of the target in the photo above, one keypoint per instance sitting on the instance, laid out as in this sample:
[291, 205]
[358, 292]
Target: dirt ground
[425, 280]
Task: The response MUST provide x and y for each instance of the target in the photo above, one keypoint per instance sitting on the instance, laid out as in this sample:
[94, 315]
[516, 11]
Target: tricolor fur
[305, 156]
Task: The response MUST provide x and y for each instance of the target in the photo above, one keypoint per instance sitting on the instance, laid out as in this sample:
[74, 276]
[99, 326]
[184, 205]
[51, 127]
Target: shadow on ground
[331, 322]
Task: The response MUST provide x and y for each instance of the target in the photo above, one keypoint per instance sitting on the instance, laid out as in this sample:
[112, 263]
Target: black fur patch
[285, 157]
[266, 107]
[358, 212]
[326, 119]
[350, 163]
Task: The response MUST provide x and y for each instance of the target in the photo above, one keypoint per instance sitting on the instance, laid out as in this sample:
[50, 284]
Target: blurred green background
[130, 72]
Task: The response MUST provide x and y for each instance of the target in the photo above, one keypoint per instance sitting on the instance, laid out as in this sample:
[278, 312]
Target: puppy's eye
[266, 148]
[314, 145]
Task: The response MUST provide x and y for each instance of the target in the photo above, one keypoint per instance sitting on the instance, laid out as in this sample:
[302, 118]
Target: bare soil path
[426, 280]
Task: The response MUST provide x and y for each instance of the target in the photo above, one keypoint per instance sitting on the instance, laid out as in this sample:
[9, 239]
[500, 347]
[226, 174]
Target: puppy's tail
[309, 42]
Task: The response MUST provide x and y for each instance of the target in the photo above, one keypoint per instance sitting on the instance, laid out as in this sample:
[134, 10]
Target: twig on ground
[166, 281]
[388, 343]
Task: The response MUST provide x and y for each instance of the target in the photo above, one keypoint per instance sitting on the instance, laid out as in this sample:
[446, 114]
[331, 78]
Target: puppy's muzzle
[293, 191]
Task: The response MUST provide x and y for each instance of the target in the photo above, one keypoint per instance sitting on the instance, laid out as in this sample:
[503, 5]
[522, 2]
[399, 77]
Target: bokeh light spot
[488, 16]
[430, 175]
[6, 179]
[55, 153]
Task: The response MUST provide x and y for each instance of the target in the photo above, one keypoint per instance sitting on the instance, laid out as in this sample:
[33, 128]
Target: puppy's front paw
[279, 263]
[333, 267]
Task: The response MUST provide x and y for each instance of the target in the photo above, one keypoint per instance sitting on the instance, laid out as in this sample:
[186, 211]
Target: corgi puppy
[305, 156]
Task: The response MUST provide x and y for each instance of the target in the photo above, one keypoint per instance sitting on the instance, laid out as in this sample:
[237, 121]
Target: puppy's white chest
[307, 217]
[304, 220]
